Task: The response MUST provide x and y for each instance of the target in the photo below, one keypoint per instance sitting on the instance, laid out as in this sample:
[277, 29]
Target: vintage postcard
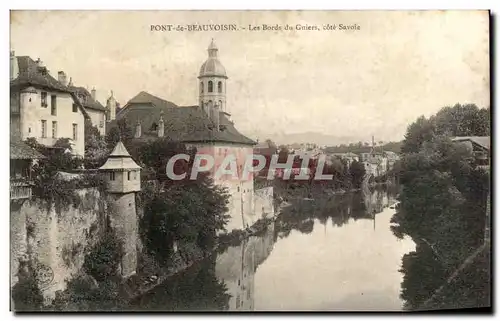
[250, 160]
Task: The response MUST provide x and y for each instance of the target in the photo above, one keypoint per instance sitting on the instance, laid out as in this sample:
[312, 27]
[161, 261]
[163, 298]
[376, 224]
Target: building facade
[43, 108]
[206, 127]
[95, 110]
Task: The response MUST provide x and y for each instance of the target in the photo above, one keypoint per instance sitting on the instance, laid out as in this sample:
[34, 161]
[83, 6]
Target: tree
[283, 155]
[96, 149]
[463, 120]
[183, 211]
[443, 199]
[122, 131]
[357, 171]
[418, 132]
[188, 212]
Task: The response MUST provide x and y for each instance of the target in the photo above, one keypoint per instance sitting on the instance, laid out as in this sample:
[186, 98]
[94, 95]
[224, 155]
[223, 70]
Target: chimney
[161, 126]
[70, 84]
[14, 67]
[61, 77]
[138, 129]
[92, 93]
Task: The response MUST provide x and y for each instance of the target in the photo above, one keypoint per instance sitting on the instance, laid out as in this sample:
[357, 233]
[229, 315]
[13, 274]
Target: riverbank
[141, 283]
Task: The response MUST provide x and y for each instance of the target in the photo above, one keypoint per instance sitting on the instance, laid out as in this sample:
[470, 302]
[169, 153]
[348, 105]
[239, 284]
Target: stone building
[123, 177]
[206, 127]
[43, 108]
[94, 108]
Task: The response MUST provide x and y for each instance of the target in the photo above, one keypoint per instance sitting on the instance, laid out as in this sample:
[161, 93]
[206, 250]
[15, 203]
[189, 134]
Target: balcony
[20, 189]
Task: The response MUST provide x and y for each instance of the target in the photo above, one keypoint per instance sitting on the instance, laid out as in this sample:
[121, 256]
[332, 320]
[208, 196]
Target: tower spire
[212, 49]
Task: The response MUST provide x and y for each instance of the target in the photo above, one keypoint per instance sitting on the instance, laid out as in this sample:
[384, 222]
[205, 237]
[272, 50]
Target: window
[75, 131]
[54, 129]
[210, 86]
[44, 99]
[238, 188]
[101, 124]
[44, 128]
[112, 176]
[128, 175]
[53, 105]
[219, 86]
[201, 87]
[75, 108]
[220, 104]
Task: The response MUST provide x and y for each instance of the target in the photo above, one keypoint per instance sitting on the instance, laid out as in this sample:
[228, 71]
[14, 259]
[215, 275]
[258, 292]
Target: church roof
[119, 159]
[183, 124]
[212, 67]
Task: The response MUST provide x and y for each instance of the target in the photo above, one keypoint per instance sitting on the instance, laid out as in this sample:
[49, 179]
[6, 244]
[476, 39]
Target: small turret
[122, 172]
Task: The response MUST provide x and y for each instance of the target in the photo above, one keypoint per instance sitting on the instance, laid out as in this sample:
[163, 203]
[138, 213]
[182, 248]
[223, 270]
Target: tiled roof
[483, 141]
[19, 150]
[183, 124]
[30, 74]
[119, 159]
[88, 101]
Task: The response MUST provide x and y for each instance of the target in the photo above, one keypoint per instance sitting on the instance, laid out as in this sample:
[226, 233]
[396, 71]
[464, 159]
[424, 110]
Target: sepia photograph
[250, 161]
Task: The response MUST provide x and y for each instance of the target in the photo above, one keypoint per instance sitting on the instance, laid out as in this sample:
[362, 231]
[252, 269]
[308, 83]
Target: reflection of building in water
[236, 267]
[375, 202]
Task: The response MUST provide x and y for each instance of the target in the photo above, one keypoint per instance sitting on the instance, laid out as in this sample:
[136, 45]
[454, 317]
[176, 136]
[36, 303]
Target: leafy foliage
[103, 260]
[96, 149]
[357, 172]
[183, 211]
[443, 198]
[26, 295]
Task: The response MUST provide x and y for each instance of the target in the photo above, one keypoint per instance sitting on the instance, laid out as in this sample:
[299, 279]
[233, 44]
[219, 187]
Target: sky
[342, 84]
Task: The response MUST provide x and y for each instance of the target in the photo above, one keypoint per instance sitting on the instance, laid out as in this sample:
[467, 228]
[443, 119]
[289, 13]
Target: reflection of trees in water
[195, 289]
[301, 214]
[426, 272]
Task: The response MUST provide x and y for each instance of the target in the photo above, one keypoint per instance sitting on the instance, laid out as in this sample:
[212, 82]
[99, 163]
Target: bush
[104, 259]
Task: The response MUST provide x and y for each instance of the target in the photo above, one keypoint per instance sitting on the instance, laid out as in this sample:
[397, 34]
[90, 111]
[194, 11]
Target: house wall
[98, 119]
[31, 114]
[240, 188]
[264, 202]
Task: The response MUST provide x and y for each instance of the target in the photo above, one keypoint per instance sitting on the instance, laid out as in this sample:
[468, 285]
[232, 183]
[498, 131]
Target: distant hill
[312, 137]
[356, 148]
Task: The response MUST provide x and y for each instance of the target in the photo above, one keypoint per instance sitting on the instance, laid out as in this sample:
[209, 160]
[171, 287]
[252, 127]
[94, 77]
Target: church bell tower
[212, 85]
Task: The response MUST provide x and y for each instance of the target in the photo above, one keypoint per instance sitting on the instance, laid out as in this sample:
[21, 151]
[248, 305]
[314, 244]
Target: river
[332, 255]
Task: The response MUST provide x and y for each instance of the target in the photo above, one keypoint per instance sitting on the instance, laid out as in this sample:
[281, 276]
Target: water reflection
[332, 254]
